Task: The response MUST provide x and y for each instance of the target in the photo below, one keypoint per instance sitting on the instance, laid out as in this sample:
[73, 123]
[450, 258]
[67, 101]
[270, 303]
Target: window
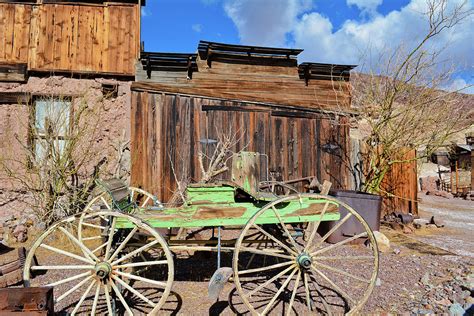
[51, 126]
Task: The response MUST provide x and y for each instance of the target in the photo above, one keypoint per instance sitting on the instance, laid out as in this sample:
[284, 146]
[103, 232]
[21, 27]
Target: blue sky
[331, 31]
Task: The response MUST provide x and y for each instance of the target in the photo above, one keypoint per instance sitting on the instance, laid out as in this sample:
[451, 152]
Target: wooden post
[457, 177]
[451, 180]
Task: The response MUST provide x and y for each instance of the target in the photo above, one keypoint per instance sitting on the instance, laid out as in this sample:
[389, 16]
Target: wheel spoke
[275, 266]
[329, 233]
[83, 297]
[266, 252]
[63, 267]
[274, 239]
[139, 278]
[96, 299]
[283, 286]
[342, 242]
[146, 201]
[307, 291]
[348, 258]
[94, 226]
[78, 285]
[261, 286]
[75, 277]
[337, 288]
[285, 228]
[100, 247]
[105, 202]
[141, 264]
[293, 294]
[136, 251]
[132, 290]
[119, 295]
[111, 238]
[318, 264]
[66, 253]
[124, 243]
[108, 301]
[315, 228]
[78, 243]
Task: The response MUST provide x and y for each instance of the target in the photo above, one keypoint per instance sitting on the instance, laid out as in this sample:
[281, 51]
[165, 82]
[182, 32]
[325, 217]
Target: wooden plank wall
[14, 32]
[85, 38]
[260, 83]
[71, 38]
[402, 182]
[167, 128]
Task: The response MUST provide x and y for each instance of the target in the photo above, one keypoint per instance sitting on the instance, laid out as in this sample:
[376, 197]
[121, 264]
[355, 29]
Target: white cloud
[462, 86]
[295, 23]
[145, 12]
[197, 28]
[366, 6]
[265, 22]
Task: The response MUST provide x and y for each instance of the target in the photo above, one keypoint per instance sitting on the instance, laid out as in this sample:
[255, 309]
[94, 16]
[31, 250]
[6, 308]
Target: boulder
[383, 242]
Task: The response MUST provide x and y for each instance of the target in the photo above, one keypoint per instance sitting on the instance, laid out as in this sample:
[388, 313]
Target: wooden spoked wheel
[295, 272]
[109, 270]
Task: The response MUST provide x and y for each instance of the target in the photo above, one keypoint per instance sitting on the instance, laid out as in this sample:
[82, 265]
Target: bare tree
[402, 105]
[57, 162]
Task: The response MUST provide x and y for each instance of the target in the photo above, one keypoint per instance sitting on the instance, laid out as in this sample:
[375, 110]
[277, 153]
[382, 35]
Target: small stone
[378, 282]
[425, 280]
[396, 251]
[383, 242]
[456, 310]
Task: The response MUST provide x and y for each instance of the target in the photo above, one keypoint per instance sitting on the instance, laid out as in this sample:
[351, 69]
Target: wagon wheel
[304, 275]
[278, 188]
[86, 279]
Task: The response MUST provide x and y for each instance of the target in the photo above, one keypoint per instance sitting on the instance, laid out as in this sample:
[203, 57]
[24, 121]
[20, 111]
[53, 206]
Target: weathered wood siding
[71, 38]
[167, 128]
[14, 32]
[260, 83]
[402, 184]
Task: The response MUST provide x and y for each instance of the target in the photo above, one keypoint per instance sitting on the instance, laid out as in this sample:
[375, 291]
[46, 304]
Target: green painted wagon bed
[119, 255]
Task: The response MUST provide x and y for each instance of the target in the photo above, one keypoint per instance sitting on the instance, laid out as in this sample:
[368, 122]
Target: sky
[329, 31]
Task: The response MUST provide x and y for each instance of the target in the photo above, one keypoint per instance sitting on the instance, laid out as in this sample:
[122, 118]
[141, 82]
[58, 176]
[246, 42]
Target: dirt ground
[424, 272]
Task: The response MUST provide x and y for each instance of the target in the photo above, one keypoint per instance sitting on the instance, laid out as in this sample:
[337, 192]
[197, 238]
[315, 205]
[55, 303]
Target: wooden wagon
[119, 255]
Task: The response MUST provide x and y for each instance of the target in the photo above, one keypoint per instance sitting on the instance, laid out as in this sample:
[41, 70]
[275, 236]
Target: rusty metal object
[27, 301]
[11, 271]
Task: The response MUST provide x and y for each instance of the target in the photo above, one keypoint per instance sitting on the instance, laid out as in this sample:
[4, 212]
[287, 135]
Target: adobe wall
[113, 127]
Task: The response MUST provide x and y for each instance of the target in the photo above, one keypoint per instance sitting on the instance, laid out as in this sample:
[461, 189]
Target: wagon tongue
[216, 284]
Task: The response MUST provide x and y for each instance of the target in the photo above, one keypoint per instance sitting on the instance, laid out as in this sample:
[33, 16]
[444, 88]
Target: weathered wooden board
[167, 130]
[14, 34]
[71, 38]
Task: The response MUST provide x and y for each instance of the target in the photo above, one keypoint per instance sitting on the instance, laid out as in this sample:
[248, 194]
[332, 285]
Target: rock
[396, 226]
[421, 221]
[425, 280]
[456, 310]
[378, 282]
[443, 194]
[396, 251]
[20, 233]
[407, 229]
[383, 242]
[429, 183]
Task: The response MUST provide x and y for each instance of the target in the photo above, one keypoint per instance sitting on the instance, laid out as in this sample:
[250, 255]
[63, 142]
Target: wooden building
[296, 115]
[91, 37]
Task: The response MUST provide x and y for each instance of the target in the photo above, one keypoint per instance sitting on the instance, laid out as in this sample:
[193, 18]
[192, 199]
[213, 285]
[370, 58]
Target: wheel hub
[103, 270]
[304, 260]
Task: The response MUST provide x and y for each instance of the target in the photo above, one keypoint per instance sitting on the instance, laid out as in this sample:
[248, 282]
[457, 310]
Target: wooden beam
[15, 97]
[13, 72]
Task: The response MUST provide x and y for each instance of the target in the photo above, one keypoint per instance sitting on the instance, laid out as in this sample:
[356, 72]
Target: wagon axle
[103, 270]
[304, 261]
